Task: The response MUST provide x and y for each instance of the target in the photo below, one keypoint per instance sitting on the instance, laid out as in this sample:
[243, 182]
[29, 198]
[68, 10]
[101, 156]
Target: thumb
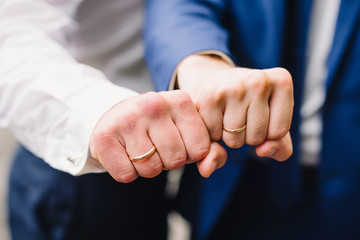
[279, 150]
[214, 160]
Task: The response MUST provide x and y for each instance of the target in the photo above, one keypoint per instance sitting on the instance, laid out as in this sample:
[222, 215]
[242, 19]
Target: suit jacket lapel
[347, 19]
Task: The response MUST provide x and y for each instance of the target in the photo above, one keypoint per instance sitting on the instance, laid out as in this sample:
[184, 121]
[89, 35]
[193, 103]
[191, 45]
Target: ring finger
[234, 124]
[141, 146]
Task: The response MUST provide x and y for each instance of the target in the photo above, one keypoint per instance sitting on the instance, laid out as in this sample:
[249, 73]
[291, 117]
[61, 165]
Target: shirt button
[74, 160]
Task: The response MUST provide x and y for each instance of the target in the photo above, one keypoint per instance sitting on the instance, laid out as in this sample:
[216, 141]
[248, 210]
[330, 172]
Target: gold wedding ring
[238, 130]
[144, 156]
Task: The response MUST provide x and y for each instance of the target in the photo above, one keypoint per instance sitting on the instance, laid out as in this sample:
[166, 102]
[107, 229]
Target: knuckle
[259, 82]
[200, 151]
[178, 160]
[259, 74]
[234, 143]
[237, 92]
[283, 77]
[125, 177]
[255, 140]
[215, 134]
[218, 94]
[153, 168]
[104, 135]
[278, 132]
[129, 122]
[183, 99]
[211, 96]
[153, 105]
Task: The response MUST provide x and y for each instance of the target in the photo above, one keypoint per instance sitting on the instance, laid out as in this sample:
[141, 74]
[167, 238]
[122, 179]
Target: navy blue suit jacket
[264, 34]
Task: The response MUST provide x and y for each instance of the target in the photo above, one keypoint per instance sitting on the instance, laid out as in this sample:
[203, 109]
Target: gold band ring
[144, 156]
[239, 130]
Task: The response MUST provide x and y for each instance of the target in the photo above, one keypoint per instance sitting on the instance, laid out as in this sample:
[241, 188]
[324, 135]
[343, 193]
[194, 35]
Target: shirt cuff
[93, 103]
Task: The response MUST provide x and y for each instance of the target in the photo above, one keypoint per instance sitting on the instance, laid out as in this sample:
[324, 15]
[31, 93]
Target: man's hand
[232, 97]
[167, 120]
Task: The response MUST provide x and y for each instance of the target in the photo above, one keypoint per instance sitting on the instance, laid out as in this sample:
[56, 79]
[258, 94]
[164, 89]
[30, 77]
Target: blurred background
[7, 146]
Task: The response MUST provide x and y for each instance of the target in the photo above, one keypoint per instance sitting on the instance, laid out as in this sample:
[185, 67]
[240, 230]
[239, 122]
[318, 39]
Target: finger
[167, 139]
[257, 120]
[137, 144]
[190, 125]
[215, 160]
[234, 118]
[211, 112]
[281, 102]
[112, 155]
[279, 150]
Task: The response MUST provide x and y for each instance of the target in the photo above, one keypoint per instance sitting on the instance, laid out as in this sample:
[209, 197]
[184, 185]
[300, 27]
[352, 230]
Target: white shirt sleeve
[49, 101]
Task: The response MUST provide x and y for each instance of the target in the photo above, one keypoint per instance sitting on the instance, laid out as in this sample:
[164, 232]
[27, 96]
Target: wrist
[203, 61]
[197, 67]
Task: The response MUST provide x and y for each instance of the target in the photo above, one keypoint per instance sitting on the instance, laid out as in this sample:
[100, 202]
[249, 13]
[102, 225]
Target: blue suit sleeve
[175, 29]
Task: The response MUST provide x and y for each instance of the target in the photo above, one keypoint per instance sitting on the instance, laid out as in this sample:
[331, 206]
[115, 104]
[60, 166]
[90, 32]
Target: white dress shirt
[321, 34]
[49, 99]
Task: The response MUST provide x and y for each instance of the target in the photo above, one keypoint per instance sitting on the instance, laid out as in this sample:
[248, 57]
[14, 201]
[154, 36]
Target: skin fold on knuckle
[178, 159]
[182, 100]
[268, 150]
[277, 132]
[255, 140]
[199, 151]
[234, 143]
[127, 123]
[152, 169]
[124, 177]
[103, 140]
[215, 133]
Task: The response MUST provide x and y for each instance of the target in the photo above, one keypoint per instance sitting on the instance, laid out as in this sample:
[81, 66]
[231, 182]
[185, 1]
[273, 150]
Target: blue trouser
[48, 204]
[249, 215]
